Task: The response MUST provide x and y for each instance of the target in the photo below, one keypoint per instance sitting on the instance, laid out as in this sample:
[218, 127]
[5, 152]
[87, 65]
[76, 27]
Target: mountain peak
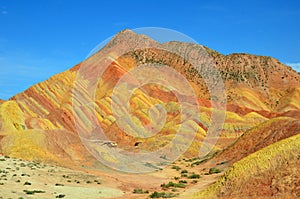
[126, 32]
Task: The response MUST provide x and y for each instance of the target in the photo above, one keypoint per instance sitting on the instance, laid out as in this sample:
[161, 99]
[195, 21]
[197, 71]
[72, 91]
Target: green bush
[184, 171]
[194, 176]
[33, 192]
[140, 191]
[176, 167]
[172, 184]
[39, 191]
[162, 195]
[29, 192]
[57, 184]
[27, 183]
[214, 170]
[184, 175]
[198, 162]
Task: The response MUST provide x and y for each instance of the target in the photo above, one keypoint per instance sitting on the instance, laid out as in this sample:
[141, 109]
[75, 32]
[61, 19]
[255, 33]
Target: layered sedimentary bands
[259, 135]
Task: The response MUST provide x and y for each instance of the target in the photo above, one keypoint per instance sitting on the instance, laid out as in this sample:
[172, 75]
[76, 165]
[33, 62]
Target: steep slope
[251, 75]
[260, 136]
[17, 140]
[290, 101]
[271, 172]
[254, 86]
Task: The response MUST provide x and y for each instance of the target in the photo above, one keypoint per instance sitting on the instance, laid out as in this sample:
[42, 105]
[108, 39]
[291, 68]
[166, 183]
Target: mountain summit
[51, 120]
[253, 84]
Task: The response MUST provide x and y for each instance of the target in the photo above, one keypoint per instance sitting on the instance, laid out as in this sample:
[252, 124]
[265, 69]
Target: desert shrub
[176, 167]
[172, 184]
[27, 183]
[60, 196]
[162, 195]
[198, 162]
[183, 181]
[57, 184]
[184, 171]
[194, 176]
[224, 162]
[33, 192]
[140, 191]
[214, 170]
[39, 191]
[29, 192]
[195, 181]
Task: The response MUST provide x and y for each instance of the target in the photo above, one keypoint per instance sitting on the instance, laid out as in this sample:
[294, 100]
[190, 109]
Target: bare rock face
[253, 84]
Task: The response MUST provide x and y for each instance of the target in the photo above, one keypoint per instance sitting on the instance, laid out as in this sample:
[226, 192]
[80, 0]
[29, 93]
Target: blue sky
[39, 38]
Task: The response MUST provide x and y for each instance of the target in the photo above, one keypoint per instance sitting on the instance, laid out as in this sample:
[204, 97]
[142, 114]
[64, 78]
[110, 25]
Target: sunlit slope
[40, 144]
[260, 136]
[269, 172]
[291, 101]
[249, 98]
[253, 85]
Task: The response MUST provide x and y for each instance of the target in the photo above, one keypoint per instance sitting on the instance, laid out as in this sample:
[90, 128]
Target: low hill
[271, 172]
[259, 137]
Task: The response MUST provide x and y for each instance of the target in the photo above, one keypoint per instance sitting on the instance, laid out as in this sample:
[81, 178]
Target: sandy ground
[55, 182]
[18, 176]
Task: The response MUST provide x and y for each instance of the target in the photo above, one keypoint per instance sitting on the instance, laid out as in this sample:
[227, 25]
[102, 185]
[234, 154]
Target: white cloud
[296, 66]
[4, 12]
